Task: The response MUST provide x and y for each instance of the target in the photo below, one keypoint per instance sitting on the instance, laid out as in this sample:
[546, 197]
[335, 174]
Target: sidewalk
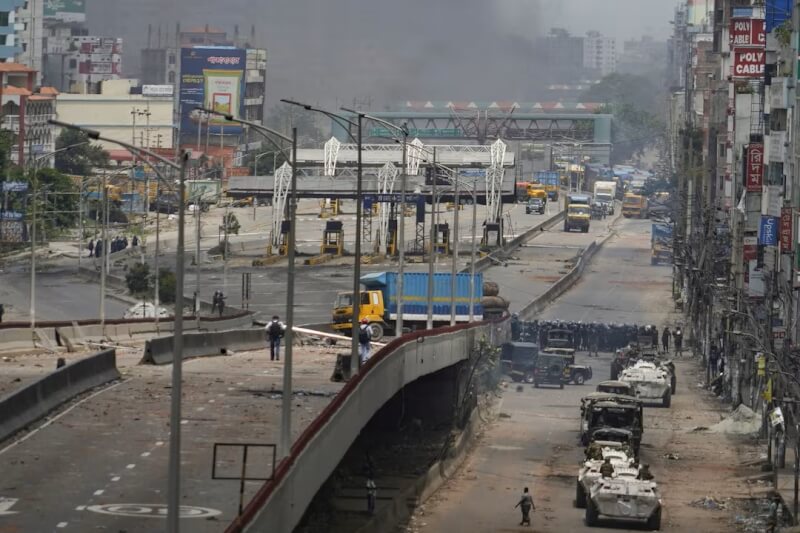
[785, 480]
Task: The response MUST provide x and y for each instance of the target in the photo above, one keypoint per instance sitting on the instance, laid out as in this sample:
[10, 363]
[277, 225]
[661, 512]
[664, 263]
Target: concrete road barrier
[159, 351]
[23, 407]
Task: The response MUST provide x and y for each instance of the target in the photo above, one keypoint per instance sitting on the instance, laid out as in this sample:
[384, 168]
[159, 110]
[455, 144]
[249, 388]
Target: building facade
[599, 54]
[29, 24]
[9, 44]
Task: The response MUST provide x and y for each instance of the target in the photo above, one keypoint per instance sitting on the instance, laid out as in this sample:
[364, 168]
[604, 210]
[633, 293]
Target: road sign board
[391, 198]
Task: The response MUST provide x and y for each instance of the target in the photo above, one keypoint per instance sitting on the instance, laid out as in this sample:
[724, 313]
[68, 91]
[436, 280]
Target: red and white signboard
[749, 249]
[786, 230]
[749, 63]
[748, 32]
[755, 167]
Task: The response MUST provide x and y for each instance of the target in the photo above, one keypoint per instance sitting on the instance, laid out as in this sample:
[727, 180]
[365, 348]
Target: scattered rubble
[742, 421]
[672, 456]
[709, 503]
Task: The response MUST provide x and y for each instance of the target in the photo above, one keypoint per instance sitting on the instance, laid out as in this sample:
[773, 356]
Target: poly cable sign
[748, 32]
[749, 63]
[755, 167]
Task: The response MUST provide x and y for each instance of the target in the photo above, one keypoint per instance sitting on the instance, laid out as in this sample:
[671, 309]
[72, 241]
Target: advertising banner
[748, 33]
[66, 10]
[787, 230]
[211, 77]
[768, 231]
[749, 63]
[750, 249]
[755, 167]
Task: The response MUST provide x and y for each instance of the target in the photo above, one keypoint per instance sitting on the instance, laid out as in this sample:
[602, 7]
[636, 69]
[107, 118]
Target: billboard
[746, 32]
[787, 227]
[768, 231]
[749, 63]
[212, 77]
[66, 10]
[755, 167]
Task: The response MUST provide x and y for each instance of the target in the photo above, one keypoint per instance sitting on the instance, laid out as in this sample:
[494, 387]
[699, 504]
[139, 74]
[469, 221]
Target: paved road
[102, 466]
[60, 295]
[536, 444]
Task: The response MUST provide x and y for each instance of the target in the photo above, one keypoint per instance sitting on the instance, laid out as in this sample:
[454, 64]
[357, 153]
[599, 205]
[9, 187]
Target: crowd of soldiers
[588, 336]
[117, 244]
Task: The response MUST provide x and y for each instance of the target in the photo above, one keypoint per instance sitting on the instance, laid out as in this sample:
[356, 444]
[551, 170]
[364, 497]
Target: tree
[166, 286]
[138, 279]
[79, 160]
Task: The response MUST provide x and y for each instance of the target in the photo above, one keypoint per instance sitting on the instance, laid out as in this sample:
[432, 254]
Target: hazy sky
[389, 50]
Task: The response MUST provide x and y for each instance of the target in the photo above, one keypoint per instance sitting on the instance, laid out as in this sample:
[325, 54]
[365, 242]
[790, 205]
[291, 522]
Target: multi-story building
[562, 55]
[9, 44]
[642, 55]
[26, 112]
[30, 35]
[599, 54]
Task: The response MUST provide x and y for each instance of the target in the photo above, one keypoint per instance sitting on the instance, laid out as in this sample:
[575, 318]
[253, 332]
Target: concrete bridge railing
[280, 504]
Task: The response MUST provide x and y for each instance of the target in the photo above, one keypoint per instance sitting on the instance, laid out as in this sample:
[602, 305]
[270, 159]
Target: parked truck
[604, 194]
[661, 244]
[551, 181]
[378, 302]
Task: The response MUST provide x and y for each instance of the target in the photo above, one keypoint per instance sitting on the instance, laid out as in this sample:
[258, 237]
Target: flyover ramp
[280, 504]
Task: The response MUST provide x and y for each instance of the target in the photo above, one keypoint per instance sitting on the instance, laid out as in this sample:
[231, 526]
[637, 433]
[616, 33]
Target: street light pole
[354, 358]
[432, 258]
[173, 489]
[33, 254]
[286, 406]
[454, 268]
[474, 250]
[401, 236]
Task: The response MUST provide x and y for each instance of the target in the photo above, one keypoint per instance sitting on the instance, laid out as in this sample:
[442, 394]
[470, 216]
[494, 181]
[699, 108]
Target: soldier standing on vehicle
[644, 473]
[525, 504]
[607, 469]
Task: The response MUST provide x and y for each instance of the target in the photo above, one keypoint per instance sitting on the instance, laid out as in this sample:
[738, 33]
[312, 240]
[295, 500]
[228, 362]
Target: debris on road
[742, 421]
[709, 503]
[672, 456]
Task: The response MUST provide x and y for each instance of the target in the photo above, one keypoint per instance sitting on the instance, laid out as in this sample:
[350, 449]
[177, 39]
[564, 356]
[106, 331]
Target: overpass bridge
[281, 502]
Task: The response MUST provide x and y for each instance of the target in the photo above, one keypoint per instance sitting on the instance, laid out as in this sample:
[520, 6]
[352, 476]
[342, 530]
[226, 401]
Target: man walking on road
[364, 338]
[275, 331]
[678, 336]
[525, 504]
[665, 335]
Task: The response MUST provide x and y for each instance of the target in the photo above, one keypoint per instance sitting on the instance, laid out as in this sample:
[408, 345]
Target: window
[4, 18]
[171, 77]
[73, 63]
[172, 59]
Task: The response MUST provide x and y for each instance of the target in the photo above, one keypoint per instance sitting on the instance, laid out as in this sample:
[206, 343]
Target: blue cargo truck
[378, 303]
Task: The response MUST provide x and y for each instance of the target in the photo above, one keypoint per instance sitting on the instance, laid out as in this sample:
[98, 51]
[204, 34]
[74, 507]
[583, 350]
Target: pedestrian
[2, 312]
[655, 337]
[772, 517]
[91, 247]
[713, 360]
[135, 241]
[525, 504]
[98, 249]
[275, 330]
[665, 335]
[372, 495]
[364, 339]
[678, 337]
[214, 301]
[221, 302]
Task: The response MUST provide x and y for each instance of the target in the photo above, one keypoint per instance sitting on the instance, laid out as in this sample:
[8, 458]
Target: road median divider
[158, 351]
[33, 401]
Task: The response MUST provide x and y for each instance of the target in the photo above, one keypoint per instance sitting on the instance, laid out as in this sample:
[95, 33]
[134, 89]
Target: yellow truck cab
[537, 190]
[634, 205]
[577, 217]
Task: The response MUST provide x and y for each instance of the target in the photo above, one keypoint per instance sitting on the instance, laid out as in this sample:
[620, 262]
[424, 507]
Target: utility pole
[432, 258]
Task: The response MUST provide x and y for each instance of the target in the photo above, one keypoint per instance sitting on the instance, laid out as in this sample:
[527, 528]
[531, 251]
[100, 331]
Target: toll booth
[333, 238]
[441, 244]
[492, 234]
[283, 243]
[329, 207]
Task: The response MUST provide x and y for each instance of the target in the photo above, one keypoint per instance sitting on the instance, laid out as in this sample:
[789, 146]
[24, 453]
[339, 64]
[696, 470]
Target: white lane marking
[59, 416]
[159, 443]
[6, 504]
[131, 466]
[99, 492]
[201, 409]
[152, 510]
[62, 524]
[145, 454]
[80, 508]
[115, 478]
[184, 422]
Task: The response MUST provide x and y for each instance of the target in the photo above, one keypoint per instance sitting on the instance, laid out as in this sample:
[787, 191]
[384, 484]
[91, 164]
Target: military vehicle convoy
[624, 497]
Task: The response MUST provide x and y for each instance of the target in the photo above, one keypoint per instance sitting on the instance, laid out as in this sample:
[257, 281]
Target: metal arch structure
[494, 181]
[386, 180]
[414, 156]
[331, 155]
[283, 180]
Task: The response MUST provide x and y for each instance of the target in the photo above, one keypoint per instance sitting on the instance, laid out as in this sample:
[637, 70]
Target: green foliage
[636, 103]
[57, 197]
[79, 160]
[784, 33]
[7, 139]
[138, 279]
[166, 286]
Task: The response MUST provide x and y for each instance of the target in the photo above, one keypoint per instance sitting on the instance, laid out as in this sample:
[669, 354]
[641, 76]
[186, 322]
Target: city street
[534, 442]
